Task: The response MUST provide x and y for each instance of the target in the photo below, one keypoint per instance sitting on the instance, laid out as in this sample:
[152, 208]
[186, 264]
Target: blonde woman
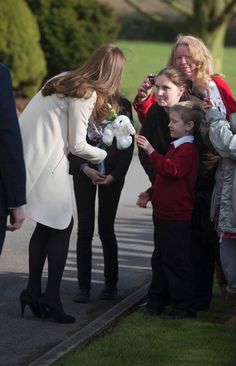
[192, 57]
[54, 123]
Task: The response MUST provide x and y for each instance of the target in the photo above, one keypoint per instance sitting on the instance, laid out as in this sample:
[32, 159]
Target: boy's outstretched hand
[142, 142]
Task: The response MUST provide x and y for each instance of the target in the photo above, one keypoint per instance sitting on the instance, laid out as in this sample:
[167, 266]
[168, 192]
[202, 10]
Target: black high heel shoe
[26, 299]
[55, 310]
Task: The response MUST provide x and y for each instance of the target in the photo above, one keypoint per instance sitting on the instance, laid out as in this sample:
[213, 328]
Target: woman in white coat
[54, 123]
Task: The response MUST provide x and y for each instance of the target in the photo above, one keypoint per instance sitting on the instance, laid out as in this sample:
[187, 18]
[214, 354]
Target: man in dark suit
[12, 168]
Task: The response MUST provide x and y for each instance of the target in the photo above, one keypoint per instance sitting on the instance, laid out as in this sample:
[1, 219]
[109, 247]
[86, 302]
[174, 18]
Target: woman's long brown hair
[101, 73]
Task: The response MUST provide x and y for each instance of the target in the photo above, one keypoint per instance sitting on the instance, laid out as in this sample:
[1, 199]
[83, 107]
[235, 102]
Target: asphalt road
[23, 340]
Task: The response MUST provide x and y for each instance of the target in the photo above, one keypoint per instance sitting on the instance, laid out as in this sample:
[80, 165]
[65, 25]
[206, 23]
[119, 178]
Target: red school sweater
[172, 193]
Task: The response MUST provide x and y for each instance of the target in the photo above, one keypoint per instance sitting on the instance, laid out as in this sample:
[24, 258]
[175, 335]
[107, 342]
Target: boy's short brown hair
[189, 111]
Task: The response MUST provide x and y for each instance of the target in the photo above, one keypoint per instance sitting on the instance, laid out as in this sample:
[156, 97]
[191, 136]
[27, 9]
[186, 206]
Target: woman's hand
[144, 89]
[207, 104]
[94, 175]
[142, 142]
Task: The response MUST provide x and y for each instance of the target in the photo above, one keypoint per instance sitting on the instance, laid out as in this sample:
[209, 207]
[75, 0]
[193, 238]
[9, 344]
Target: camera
[152, 79]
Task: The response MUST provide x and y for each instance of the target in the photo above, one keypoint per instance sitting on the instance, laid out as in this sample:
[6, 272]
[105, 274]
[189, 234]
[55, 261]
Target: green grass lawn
[143, 340]
[149, 57]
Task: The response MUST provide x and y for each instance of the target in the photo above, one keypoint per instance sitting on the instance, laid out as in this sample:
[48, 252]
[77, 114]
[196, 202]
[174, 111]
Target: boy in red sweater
[172, 197]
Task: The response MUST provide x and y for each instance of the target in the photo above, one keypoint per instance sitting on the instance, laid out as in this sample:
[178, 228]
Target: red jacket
[224, 90]
[142, 107]
[226, 95]
[172, 193]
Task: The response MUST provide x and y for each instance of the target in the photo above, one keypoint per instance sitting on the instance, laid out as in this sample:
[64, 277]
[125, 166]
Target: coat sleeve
[220, 134]
[226, 95]
[142, 107]
[146, 130]
[80, 111]
[12, 167]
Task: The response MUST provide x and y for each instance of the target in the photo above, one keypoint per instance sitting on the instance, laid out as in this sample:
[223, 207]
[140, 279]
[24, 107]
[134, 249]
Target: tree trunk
[206, 19]
[215, 42]
[207, 25]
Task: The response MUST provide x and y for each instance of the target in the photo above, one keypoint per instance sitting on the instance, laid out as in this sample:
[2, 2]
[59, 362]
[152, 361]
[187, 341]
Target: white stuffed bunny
[121, 128]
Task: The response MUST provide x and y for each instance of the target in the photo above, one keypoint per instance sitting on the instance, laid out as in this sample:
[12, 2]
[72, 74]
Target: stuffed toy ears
[131, 129]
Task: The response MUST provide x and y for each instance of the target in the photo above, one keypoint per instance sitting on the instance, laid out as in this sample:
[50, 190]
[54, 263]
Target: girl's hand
[142, 142]
[94, 175]
[107, 180]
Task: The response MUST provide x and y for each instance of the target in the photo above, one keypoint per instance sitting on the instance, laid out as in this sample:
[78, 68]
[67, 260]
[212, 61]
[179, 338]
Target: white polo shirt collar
[182, 140]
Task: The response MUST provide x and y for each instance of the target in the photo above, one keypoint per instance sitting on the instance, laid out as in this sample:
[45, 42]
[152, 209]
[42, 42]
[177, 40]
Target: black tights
[52, 244]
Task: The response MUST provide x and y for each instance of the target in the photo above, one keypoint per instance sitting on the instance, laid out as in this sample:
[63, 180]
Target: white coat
[51, 127]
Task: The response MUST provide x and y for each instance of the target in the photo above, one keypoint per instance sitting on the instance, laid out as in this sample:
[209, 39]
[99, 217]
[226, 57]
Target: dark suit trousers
[3, 221]
[108, 200]
[172, 269]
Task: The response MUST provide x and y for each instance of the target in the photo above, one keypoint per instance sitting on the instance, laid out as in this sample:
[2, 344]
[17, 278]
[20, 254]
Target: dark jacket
[12, 168]
[155, 129]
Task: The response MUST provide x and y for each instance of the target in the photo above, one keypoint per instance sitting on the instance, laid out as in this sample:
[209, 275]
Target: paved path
[22, 340]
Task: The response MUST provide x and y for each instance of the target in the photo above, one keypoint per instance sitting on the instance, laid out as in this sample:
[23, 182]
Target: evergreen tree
[20, 47]
[71, 30]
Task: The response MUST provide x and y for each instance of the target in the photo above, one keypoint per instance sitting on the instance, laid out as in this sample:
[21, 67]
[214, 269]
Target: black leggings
[52, 244]
[108, 200]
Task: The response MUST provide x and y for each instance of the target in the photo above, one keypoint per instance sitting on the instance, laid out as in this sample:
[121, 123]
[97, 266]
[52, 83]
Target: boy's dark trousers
[172, 269]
